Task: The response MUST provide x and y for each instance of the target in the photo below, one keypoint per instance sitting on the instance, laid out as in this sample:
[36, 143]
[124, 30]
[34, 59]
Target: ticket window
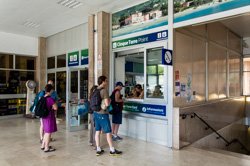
[140, 84]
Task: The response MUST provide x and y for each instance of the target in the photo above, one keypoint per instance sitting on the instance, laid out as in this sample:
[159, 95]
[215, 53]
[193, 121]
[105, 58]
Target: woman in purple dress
[49, 122]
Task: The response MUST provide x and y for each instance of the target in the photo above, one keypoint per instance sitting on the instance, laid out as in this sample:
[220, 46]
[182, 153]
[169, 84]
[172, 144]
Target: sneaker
[115, 138]
[119, 138]
[98, 153]
[115, 153]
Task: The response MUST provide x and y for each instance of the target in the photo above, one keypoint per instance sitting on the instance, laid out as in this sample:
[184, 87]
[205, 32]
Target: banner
[152, 37]
[84, 57]
[144, 16]
[145, 108]
[186, 9]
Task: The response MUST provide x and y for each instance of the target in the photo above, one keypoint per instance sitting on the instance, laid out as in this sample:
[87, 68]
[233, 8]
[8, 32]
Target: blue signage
[145, 108]
[152, 37]
[167, 57]
[84, 57]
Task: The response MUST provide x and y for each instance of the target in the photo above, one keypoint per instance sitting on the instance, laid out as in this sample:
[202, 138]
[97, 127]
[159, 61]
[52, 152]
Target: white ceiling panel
[51, 17]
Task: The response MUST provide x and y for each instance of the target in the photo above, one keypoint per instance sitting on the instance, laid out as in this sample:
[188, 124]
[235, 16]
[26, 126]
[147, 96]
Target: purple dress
[49, 122]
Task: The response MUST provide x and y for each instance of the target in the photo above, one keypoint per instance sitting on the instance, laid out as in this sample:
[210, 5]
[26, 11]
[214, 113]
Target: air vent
[70, 3]
[31, 24]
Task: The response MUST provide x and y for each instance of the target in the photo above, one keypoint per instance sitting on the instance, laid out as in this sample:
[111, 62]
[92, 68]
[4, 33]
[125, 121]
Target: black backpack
[41, 109]
[96, 100]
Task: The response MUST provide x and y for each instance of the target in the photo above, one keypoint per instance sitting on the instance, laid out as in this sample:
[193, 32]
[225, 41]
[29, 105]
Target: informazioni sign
[145, 108]
[152, 37]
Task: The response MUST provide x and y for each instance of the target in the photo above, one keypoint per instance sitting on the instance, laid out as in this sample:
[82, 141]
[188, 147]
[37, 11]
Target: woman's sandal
[50, 147]
[50, 150]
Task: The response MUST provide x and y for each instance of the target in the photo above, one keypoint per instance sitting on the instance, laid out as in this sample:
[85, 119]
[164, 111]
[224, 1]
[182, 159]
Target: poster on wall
[147, 15]
[190, 9]
[84, 57]
[73, 58]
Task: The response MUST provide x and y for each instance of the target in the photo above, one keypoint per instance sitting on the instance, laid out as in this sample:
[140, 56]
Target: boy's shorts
[102, 122]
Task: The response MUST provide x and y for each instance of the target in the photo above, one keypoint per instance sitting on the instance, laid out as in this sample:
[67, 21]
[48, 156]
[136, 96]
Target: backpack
[38, 96]
[96, 100]
[41, 108]
[114, 104]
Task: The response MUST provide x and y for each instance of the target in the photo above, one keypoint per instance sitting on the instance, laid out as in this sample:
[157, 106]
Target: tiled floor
[19, 146]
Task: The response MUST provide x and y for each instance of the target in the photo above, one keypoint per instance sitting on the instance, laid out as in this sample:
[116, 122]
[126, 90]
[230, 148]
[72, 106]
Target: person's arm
[118, 97]
[141, 95]
[54, 107]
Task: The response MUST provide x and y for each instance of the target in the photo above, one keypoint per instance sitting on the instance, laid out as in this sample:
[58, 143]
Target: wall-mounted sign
[148, 15]
[145, 108]
[152, 37]
[167, 58]
[84, 57]
[186, 10]
[73, 58]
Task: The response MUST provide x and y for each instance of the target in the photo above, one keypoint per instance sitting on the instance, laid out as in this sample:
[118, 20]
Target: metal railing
[219, 136]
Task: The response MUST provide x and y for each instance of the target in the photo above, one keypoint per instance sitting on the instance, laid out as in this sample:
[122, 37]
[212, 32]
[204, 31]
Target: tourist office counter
[138, 61]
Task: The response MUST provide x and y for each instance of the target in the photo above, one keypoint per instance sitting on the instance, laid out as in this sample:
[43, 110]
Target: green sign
[152, 37]
[73, 58]
[84, 57]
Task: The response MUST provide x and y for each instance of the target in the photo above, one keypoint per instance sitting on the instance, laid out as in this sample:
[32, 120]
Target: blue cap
[119, 84]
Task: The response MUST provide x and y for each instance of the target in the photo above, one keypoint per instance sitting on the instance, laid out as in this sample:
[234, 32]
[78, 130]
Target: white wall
[246, 51]
[73, 39]
[18, 44]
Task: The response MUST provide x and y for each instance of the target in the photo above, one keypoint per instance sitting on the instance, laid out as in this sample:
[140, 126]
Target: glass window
[6, 61]
[234, 74]
[61, 61]
[217, 72]
[26, 63]
[61, 85]
[84, 84]
[51, 76]
[51, 63]
[13, 82]
[154, 73]
[246, 76]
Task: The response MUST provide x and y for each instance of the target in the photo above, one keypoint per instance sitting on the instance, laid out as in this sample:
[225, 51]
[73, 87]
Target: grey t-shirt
[104, 95]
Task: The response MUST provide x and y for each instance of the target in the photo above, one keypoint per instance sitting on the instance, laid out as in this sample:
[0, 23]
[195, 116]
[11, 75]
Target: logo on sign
[114, 45]
[144, 109]
[168, 57]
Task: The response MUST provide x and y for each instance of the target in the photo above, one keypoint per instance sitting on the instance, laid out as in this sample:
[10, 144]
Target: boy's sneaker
[119, 138]
[98, 153]
[115, 138]
[115, 153]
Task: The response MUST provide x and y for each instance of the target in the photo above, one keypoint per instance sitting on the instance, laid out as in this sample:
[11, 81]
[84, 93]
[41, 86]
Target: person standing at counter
[101, 115]
[117, 104]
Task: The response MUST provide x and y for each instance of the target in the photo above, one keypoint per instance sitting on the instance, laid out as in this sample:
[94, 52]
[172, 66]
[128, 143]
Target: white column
[170, 75]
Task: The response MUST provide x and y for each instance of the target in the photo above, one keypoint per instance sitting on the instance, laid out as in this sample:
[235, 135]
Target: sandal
[50, 150]
[50, 147]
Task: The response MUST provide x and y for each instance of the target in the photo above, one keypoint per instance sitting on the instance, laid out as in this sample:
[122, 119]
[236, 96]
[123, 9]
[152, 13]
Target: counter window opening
[130, 68]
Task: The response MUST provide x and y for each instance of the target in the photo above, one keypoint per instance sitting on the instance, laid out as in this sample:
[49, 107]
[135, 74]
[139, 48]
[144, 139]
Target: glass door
[76, 103]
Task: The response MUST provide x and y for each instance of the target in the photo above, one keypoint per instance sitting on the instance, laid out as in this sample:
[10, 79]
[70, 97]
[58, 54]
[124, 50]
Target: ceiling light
[70, 3]
[31, 24]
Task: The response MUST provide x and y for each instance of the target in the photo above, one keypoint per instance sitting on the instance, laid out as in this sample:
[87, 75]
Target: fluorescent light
[31, 24]
[70, 3]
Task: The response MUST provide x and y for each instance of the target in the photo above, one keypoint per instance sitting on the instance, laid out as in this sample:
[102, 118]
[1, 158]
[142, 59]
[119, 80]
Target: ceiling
[51, 17]
[239, 24]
